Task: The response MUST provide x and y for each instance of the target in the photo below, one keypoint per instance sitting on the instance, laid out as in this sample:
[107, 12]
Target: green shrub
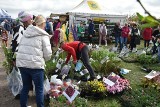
[61, 101]
[107, 67]
[141, 97]
[8, 63]
[146, 59]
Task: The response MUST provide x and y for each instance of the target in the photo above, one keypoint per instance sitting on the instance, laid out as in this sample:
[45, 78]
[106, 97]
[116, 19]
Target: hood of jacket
[33, 31]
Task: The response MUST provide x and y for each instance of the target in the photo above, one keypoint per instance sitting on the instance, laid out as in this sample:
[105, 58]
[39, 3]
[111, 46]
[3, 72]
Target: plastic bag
[59, 63]
[65, 69]
[83, 72]
[78, 66]
[46, 85]
[114, 49]
[15, 81]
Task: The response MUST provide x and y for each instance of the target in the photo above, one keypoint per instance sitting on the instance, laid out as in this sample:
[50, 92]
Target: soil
[6, 97]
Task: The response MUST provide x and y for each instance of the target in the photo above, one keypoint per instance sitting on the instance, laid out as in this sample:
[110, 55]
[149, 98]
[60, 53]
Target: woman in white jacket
[34, 48]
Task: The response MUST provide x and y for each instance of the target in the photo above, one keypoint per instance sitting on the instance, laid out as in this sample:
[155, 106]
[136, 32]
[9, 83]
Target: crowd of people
[34, 36]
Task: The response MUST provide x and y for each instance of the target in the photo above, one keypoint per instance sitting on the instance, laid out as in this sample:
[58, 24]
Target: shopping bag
[46, 85]
[78, 66]
[15, 81]
[65, 69]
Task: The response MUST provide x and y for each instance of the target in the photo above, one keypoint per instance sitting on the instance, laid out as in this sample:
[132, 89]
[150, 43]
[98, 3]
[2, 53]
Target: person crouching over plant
[78, 47]
[4, 37]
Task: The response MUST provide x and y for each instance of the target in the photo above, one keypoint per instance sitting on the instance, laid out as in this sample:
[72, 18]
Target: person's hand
[153, 37]
[74, 62]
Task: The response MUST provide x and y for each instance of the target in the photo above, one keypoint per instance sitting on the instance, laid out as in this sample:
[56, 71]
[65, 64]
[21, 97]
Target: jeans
[124, 41]
[37, 75]
[118, 40]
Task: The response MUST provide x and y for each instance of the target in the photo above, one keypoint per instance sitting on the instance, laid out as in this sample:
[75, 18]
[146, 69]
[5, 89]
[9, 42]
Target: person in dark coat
[117, 32]
[90, 30]
[155, 35]
[134, 35]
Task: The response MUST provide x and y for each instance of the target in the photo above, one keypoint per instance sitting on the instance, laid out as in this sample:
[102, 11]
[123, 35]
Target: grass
[135, 97]
[134, 76]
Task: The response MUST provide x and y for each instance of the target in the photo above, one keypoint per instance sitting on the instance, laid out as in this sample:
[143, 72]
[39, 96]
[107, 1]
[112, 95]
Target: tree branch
[147, 12]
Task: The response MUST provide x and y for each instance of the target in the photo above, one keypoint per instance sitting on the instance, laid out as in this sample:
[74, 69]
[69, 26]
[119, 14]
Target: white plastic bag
[65, 69]
[78, 66]
[46, 85]
[15, 81]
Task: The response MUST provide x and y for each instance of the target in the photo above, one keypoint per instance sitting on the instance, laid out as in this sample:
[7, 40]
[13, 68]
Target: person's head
[81, 24]
[5, 20]
[118, 24]
[3, 30]
[25, 18]
[126, 24]
[135, 25]
[40, 21]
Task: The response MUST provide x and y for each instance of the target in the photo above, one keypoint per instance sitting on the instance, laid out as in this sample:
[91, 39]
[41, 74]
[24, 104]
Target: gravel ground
[6, 97]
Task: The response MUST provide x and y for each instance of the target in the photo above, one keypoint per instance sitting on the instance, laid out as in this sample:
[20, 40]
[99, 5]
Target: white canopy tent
[4, 15]
[91, 9]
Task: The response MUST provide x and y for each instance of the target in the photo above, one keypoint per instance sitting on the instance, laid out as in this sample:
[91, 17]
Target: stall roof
[91, 8]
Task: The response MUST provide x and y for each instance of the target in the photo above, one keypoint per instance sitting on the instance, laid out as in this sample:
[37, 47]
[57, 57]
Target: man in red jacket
[147, 36]
[72, 48]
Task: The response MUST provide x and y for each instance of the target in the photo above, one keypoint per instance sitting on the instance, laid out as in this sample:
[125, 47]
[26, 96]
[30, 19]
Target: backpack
[48, 27]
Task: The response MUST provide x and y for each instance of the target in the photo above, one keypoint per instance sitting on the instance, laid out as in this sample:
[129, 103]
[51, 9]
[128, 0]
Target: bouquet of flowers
[119, 86]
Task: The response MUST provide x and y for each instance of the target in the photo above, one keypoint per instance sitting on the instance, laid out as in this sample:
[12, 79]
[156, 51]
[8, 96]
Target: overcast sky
[45, 7]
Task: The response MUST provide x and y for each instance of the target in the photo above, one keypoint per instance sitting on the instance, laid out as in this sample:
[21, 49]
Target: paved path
[6, 97]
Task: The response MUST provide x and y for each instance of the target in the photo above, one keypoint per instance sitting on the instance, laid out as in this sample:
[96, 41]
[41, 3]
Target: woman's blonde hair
[39, 20]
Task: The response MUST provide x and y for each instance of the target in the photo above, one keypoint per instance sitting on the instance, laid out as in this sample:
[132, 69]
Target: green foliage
[8, 63]
[155, 82]
[61, 101]
[141, 97]
[50, 68]
[146, 59]
[93, 88]
[108, 66]
[132, 57]
[107, 102]
[102, 53]
[147, 21]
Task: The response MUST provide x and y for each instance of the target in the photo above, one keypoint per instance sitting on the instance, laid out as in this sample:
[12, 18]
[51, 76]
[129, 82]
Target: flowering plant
[93, 88]
[119, 86]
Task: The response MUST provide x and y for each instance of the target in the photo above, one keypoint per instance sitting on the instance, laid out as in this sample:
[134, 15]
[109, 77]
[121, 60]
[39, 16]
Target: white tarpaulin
[91, 8]
[4, 14]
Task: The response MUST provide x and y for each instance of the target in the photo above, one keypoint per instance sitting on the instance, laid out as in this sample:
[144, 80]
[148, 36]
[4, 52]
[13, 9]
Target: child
[4, 37]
